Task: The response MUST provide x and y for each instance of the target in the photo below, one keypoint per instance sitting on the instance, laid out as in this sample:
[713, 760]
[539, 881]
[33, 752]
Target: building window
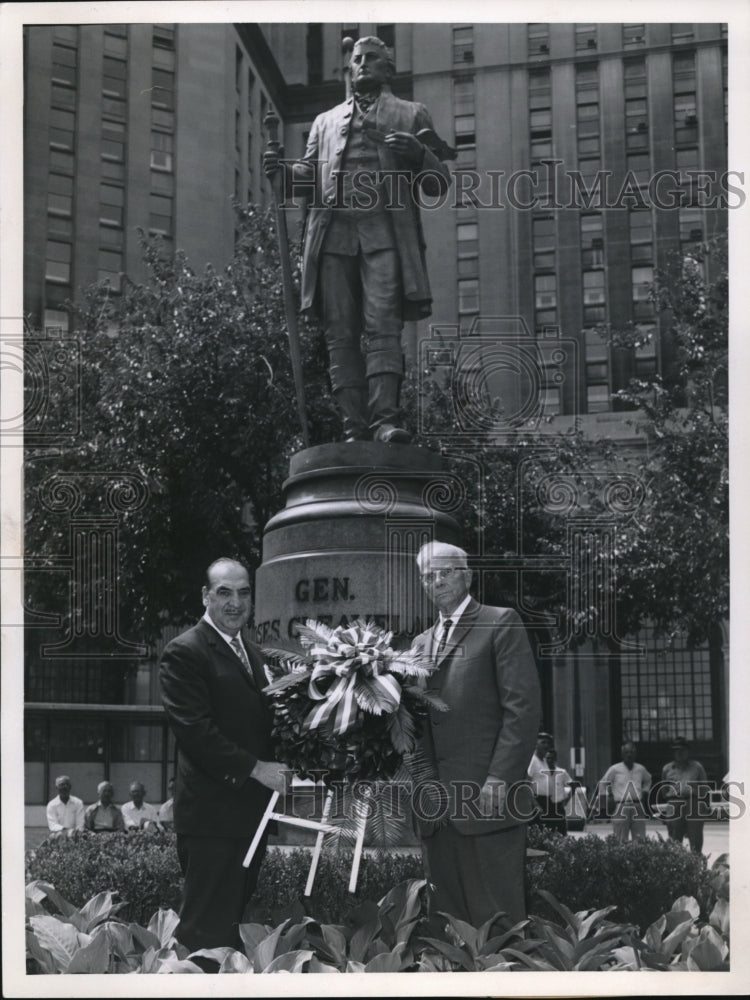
[111, 205]
[633, 35]
[315, 53]
[590, 191]
[645, 352]
[463, 46]
[666, 692]
[641, 283]
[636, 110]
[387, 35]
[160, 214]
[162, 94]
[691, 226]
[585, 37]
[685, 114]
[111, 237]
[60, 227]
[115, 73]
[641, 236]
[592, 241]
[467, 239]
[57, 263]
[468, 296]
[598, 393]
[115, 46]
[163, 120]
[161, 151]
[63, 97]
[66, 33]
[682, 33]
[238, 69]
[545, 300]
[639, 167]
[110, 267]
[163, 36]
[61, 162]
[543, 242]
[594, 298]
[56, 322]
[538, 39]
[251, 90]
[62, 129]
[587, 110]
[64, 63]
[597, 399]
[60, 195]
[540, 127]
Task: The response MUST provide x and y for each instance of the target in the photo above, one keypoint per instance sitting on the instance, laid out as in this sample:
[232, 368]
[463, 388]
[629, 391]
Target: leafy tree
[186, 381]
[675, 560]
[671, 554]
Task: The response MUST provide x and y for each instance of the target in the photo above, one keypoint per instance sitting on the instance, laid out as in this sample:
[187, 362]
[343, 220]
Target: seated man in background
[65, 813]
[104, 816]
[138, 814]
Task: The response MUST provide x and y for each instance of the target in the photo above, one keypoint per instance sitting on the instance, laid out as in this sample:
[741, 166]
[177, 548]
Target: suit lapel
[221, 648]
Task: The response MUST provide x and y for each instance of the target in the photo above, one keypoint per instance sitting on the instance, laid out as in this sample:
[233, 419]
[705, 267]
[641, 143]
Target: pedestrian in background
[626, 786]
[684, 786]
[553, 788]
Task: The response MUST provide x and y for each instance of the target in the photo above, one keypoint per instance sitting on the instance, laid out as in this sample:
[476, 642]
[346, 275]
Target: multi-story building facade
[554, 219]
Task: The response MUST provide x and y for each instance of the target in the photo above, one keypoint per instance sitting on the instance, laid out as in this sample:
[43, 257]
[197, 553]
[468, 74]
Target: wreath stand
[322, 827]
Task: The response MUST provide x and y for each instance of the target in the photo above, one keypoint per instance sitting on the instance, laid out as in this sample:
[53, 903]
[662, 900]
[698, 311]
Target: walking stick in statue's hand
[271, 122]
[347, 47]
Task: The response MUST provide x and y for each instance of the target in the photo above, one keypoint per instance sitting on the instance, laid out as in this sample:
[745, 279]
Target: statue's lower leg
[384, 408]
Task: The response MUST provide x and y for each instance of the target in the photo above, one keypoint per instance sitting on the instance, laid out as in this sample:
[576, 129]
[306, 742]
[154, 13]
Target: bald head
[227, 596]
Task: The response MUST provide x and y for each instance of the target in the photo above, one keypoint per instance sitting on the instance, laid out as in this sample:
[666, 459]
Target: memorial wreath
[348, 707]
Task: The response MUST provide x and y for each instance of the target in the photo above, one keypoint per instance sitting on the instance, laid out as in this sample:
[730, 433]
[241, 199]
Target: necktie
[239, 650]
[447, 625]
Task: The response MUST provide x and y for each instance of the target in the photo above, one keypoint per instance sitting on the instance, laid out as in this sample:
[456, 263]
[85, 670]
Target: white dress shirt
[453, 618]
[136, 817]
[65, 815]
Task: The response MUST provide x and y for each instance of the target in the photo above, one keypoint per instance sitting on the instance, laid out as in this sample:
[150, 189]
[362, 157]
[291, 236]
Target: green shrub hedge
[642, 878]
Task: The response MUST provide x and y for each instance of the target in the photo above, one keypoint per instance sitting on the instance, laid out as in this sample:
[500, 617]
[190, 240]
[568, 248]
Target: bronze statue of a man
[363, 269]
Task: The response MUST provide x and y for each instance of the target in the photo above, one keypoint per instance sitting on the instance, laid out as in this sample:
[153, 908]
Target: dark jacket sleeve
[518, 688]
[187, 700]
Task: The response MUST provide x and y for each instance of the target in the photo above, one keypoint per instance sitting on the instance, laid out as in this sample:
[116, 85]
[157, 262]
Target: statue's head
[371, 64]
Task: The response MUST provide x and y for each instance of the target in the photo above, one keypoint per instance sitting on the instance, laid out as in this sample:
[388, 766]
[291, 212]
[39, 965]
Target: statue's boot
[384, 411]
[352, 404]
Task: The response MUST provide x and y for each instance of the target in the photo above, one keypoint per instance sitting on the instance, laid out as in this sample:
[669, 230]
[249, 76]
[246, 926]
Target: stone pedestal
[344, 545]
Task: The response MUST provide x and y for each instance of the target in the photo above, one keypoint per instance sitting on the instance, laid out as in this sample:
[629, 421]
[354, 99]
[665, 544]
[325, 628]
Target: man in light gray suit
[363, 268]
[480, 748]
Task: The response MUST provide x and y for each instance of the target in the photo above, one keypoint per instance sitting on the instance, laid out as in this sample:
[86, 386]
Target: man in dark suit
[363, 267]
[212, 677]
[486, 674]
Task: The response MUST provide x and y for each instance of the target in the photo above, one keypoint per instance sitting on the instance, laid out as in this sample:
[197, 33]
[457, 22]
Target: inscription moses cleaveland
[363, 267]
